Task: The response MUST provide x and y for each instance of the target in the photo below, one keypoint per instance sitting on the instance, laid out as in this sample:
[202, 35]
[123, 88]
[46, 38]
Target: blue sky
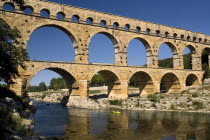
[52, 44]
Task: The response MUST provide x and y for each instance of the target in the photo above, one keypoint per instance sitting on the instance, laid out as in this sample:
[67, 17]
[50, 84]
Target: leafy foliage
[97, 80]
[42, 86]
[11, 56]
[57, 83]
[166, 63]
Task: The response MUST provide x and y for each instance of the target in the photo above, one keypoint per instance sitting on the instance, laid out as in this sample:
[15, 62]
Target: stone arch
[205, 58]
[192, 49]
[146, 47]
[145, 82]
[113, 40]
[191, 80]
[89, 20]
[171, 46]
[144, 41]
[190, 58]
[176, 57]
[71, 36]
[62, 14]
[111, 80]
[110, 36]
[75, 18]
[72, 45]
[103, 23]
[170, 83]
[30, 7]
[45, 10]
[9, 3]
[111, 72]
[70, 80]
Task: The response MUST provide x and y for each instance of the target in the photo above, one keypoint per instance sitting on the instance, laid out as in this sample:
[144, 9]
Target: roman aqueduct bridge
[121, 30]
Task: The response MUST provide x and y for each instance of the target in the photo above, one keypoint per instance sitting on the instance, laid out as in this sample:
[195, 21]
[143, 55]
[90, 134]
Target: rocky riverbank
[195, 99]
[15, 119]
[50, 97]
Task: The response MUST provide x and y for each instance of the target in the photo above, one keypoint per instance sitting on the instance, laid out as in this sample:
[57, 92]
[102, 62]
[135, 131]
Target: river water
[55, 120]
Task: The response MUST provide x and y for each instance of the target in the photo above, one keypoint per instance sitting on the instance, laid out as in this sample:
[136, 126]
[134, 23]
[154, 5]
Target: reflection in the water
[144, 125]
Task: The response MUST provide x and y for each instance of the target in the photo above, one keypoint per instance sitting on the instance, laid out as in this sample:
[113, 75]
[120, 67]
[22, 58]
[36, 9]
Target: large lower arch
[103, 48]
[111, 81]
[144, 82]
[192, 80]
[69, 78]
[170, 83]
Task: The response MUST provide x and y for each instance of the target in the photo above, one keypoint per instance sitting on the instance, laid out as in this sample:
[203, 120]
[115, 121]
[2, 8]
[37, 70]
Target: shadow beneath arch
[134, 95]
[99, 96]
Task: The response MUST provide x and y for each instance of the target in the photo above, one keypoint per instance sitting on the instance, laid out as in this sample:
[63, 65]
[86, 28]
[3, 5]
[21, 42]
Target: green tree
[97, 80]
[57, 83]
[42, 86]
[12, 55]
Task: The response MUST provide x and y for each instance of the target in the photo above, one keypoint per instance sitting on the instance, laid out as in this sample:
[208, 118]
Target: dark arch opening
[137, 52]
[140, 84]
[188, 38]
[60, 16]
[115, 25]
[147, 31]
[157, 32]
[205, 62]
[174, 35]
[51, 43]
[52, 80]
[89, 20]
[127, 27]
[169, 83]
[187, 56]
[75, 18]
[192, 80]
[9, 6]
[101, 48]
[166, 34]
[102, 23]
[103, 82]
[166, 54]
[138, 29]
[28, 10]
[45, 13]
[182, 37]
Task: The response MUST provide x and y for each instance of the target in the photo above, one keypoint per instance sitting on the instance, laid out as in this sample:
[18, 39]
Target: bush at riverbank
[14, 111]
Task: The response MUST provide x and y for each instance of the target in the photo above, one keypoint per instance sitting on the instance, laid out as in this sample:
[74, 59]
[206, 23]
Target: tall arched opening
[188, 54]
[137, 52]
[51, 43]
[143, 82]
[205, 57]
[167, 55]
[169, 83]
[102, 48]
[107, 84]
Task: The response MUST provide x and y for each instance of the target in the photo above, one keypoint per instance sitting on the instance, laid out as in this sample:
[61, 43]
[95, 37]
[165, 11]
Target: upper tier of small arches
[107, 23]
